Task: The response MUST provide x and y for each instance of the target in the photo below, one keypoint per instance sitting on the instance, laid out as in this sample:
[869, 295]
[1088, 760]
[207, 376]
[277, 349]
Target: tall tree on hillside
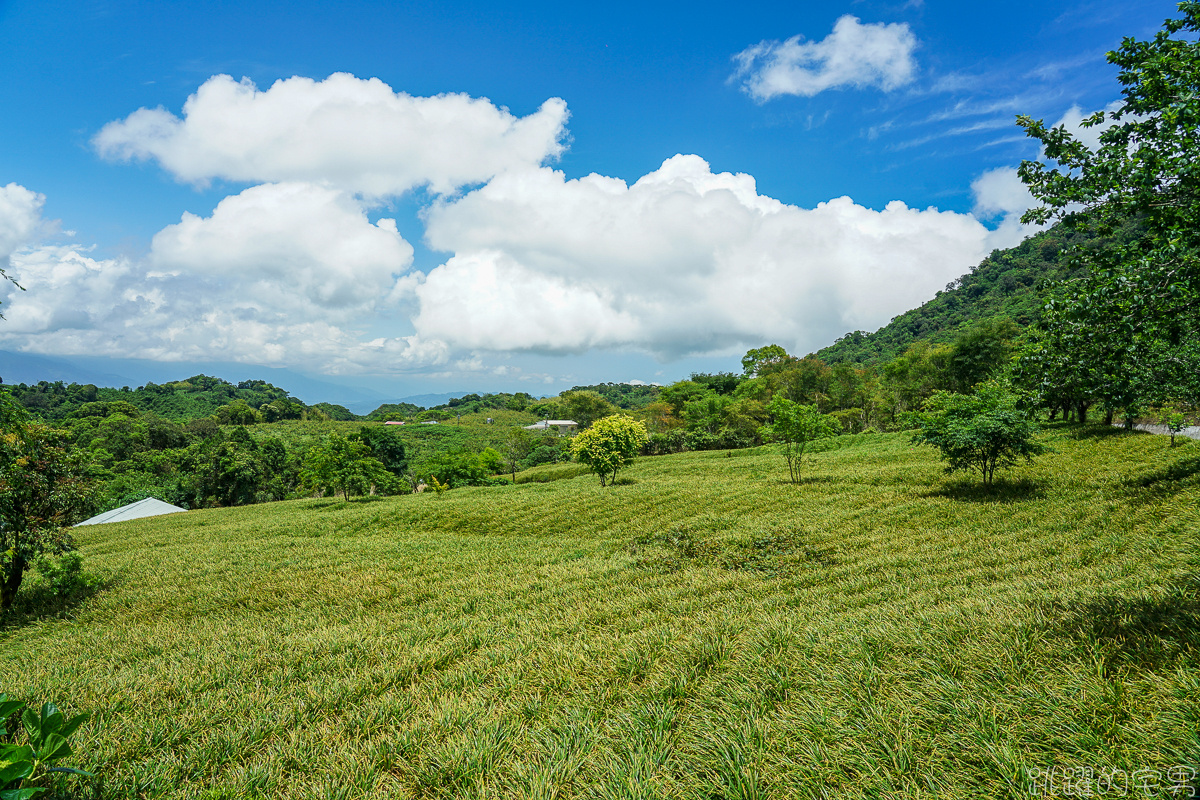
[1140, 300]
[44, 487]
[762, 359]
[585, 407]
[980, 351]
[517, 446]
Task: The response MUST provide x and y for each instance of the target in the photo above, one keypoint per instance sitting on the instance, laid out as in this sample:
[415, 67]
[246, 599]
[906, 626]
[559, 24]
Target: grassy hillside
[703, 630]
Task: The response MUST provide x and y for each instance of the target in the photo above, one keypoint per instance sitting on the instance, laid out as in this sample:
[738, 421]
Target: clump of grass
[548, 473]
[707, 631]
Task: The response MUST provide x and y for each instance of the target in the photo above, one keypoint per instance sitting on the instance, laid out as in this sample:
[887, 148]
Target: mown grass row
[705, 630]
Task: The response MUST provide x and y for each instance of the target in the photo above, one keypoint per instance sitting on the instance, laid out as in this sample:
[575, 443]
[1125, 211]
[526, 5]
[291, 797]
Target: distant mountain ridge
[115, 373]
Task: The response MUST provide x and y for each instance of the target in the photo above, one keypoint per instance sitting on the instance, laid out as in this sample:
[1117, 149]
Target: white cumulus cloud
[120, 308]
[1072, 120]
[280, 275]
[289, 246]
[999, 193]
[684, 261]
[348, 132]
[20, 219]
[854, 54]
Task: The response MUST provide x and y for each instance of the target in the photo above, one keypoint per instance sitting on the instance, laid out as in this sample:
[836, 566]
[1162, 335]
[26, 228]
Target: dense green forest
[177, 401]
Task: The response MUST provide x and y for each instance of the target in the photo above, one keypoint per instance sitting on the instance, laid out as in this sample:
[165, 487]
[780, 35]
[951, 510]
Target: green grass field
[702, 630]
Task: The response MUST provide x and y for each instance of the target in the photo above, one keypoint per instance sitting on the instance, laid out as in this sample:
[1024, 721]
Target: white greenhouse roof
[142, 508]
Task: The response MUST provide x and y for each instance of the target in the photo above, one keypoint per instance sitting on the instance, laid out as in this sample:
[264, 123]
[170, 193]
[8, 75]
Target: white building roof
[551, 423]
[142, 508]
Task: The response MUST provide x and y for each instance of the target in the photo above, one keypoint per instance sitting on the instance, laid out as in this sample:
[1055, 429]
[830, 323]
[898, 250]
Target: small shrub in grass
[611, 443]
[63, 575]
[1173, 419]
[798, 426]
[984, 431]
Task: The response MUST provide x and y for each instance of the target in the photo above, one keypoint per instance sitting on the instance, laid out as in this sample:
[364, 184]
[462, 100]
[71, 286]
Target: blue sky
[512, 198]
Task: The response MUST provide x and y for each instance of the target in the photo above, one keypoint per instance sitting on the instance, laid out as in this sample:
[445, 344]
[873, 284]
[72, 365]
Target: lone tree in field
[984, 431]
[44, 487]
[611, 443]
[518, 444]
[797, 426]
[343, 466]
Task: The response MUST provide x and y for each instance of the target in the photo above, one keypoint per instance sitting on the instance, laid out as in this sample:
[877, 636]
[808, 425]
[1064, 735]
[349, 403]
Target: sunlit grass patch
[708, 630]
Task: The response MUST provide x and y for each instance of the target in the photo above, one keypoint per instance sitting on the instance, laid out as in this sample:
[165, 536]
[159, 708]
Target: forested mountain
[1009, 284]
[178, 401]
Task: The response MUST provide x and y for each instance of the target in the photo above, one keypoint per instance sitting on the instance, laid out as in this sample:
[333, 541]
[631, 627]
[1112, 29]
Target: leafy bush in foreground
[984, 431]
[46, 735]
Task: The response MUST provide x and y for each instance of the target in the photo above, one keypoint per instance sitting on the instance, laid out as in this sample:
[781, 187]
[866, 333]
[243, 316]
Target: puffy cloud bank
[281, 275]
[20, 219]
[315, 241]
[683, 261]
[854, 54]
[293, 272]
[352, 133]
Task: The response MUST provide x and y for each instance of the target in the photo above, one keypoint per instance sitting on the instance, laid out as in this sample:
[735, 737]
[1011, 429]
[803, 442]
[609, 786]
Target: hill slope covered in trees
[1010, 284]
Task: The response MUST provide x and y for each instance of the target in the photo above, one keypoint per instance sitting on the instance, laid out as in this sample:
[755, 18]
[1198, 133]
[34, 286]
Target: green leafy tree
[1138, 308]
[227, 472]
[914, 376]
[585, 407]
[384, 444]
[707, 413]
[680, 393]
[610, 444]
[763, 359]
[44, 487]
[121, 436]
[342, 466]
[237, 413]
[981, 351]
[517, 446]
[797, 426]
[984, 431]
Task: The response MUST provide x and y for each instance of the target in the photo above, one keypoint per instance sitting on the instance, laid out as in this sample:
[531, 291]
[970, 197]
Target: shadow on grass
[1001, 491]
[807, 480]
[1102, 431]
[1137, 632]
[1167, 478]
[37, 601]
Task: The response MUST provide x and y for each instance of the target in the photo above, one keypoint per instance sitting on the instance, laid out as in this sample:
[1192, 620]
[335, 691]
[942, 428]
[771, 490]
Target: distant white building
[564, 426]
[142, 508]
